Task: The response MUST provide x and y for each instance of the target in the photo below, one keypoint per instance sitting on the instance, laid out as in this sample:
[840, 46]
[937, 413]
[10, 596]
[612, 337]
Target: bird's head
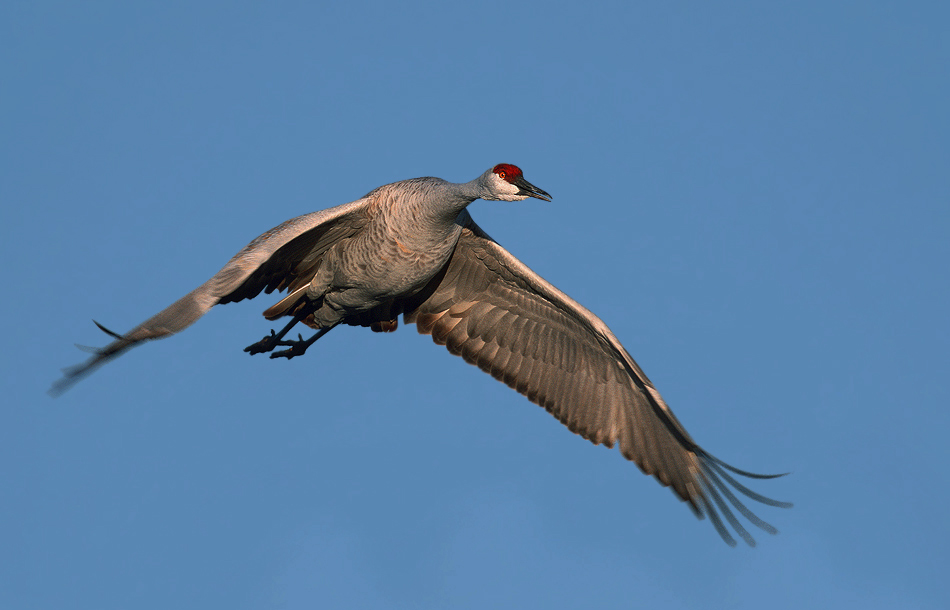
[505, 182]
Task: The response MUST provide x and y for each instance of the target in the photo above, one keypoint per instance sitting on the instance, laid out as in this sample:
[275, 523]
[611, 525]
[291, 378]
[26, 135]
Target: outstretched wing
[496, 313]
[287, 256]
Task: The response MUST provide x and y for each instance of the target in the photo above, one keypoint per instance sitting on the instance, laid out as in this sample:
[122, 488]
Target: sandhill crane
[411, 248]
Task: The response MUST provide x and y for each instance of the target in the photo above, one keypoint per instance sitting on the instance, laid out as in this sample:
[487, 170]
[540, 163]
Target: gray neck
[451, 198]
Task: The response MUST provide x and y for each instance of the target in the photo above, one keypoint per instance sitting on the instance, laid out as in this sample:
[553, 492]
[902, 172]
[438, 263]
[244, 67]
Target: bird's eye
[501, 175]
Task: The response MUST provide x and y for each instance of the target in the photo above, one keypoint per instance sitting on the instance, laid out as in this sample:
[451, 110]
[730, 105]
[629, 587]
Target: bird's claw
[266, 344]
[297, 348]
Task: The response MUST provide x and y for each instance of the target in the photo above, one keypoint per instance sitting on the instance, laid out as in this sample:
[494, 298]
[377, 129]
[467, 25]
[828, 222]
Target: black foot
[297, 348]
[264, 345]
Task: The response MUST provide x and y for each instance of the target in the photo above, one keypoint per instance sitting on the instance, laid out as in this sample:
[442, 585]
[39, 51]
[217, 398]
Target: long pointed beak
[530, 190]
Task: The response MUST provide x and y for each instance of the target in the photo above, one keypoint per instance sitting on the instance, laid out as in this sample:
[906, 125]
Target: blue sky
[754, 197]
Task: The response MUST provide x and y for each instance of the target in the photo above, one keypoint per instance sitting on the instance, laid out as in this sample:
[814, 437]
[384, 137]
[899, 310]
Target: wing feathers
[500, 316]
[287, 256]
[174, 318]
[280, 257]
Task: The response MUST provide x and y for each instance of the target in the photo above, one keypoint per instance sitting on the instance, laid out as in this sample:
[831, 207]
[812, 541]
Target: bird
[411, 248]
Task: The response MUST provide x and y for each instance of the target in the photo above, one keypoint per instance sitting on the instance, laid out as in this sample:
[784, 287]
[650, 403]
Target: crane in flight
[412, 248]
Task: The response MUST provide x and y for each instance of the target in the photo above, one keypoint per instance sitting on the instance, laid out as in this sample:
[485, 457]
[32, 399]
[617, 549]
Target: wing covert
[287, 255]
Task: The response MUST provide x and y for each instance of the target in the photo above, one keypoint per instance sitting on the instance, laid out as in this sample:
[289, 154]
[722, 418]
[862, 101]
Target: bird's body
[399, 250]
[411, 248]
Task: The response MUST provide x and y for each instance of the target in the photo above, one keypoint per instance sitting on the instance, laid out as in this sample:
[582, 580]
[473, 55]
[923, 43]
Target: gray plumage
[411, 248]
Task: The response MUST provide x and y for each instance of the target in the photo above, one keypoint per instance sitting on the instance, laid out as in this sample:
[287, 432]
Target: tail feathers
[385, 326]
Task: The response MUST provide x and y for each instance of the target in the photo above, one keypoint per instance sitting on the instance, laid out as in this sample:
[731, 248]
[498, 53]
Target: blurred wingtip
[100, 356]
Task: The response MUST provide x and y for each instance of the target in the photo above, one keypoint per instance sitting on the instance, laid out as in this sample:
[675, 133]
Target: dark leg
[271, 341]
[297, 348]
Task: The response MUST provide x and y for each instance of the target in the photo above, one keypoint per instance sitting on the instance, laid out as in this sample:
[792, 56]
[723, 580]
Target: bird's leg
[272, 340]
[297, 348]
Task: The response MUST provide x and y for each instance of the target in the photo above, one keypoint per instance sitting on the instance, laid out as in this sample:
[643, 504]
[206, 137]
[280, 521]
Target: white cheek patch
[506, 190]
